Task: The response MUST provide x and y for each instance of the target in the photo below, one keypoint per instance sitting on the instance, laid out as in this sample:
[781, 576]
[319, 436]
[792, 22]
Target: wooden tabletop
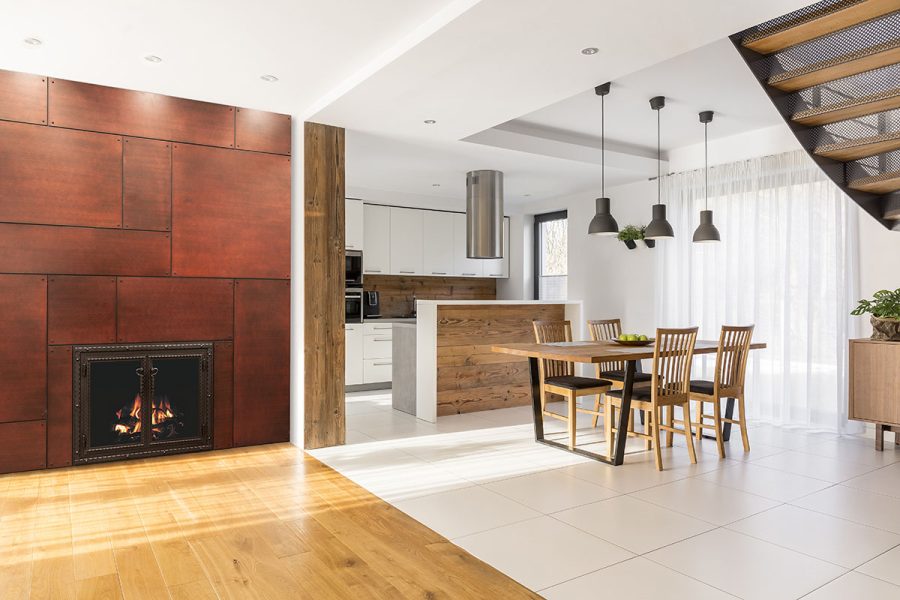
[595, 352]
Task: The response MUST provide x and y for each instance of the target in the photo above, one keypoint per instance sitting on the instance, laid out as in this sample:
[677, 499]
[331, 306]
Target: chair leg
[717, 418]
[572, 421]
[648, 445]
[655, 420]
[609, 414]
[690, 438]
[596, 409]
[670, 421]
[744, 437]
[699, 420]
[543, 398]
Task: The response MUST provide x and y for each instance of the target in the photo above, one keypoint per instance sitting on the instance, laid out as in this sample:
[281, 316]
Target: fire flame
[160, 411]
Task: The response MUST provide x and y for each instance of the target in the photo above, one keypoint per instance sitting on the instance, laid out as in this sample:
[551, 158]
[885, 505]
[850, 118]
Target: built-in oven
[354, 268]
[353, 305]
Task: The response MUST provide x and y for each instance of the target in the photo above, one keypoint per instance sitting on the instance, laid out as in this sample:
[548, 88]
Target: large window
[551, 255]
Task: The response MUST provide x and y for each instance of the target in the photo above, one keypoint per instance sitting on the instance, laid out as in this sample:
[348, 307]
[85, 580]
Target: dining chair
[558, 377]
[669, 387]
[728, 382]
[604, 330]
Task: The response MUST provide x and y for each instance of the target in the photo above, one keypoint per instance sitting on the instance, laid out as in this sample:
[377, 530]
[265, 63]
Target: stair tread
[852, 63]
[884, 183]
[860, 147]
[849, 109]
[818, 24]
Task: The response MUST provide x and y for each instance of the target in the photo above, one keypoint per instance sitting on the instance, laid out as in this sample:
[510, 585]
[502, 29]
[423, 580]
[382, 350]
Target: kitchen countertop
[391, 320]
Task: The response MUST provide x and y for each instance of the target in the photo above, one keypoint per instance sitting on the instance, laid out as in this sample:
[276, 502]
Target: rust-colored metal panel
[82, 251]
[59, 406]
[262, 340]
[175, 309]
[23, 446]
[147, 191]
[23, 347]
[262, 131]
[81, 310]
[231, 213]
[139, 114]
[223, 391]
[59, 177]
[23, 97]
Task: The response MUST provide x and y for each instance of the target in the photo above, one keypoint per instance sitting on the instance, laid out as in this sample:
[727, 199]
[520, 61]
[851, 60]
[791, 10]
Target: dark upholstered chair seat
[573, 382]
[643, 393]
[701, 386]
[619, 375]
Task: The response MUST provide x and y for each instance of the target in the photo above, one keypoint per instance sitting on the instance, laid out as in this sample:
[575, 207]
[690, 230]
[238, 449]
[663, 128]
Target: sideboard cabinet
[875, 386]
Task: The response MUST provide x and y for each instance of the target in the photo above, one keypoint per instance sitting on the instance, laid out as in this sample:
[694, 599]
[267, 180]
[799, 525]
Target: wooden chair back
[548, 332]
[603, 330]
[731, 357]
[672, 356]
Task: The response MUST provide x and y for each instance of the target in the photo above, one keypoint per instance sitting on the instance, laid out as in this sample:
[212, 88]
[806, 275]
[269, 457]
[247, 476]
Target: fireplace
[138, 400]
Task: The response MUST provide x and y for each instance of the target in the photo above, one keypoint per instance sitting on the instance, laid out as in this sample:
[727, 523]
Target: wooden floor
[263, 522]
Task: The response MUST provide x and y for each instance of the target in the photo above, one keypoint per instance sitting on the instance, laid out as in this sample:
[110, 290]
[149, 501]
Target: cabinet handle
[408, 272]
[373, 270]
[468, 274]
[382, 327]
[382, 364]
[382, 339]
[496, 274]
[438, 273]
[350, 246]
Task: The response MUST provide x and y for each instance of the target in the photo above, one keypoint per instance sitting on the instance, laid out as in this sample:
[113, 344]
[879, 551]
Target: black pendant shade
[659, 226]
[603, 222]
[706, 232]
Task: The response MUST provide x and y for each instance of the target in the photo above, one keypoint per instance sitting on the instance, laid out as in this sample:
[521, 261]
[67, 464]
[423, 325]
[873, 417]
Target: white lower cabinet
[378, 349]
[353, 354]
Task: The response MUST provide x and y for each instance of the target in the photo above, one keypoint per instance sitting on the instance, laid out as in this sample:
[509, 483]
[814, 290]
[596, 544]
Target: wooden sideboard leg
[879, 436]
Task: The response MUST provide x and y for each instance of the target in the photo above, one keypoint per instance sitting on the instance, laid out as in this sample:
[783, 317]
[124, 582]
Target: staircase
[833, 71]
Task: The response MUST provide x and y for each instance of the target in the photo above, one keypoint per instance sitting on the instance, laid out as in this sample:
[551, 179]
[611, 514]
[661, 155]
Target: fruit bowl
[646, 342]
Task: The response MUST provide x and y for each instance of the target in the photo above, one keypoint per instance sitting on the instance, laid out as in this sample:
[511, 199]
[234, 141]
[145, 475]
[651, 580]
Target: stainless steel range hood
[484, 214]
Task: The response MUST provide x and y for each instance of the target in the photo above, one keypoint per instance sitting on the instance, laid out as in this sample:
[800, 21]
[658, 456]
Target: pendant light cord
[706, 163]
[658, 159]
[603, 146]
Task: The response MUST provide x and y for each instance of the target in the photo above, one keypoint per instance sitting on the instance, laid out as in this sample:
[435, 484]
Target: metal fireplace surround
[86, 358]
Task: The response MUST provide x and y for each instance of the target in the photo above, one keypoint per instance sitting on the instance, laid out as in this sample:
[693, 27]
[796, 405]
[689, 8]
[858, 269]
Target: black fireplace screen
[141, 400]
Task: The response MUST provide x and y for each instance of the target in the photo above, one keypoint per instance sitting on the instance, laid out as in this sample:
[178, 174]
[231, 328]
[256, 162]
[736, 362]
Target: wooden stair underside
[816, 26]
[875, 57]
[877, 184]
[851, 109]
[860, 148]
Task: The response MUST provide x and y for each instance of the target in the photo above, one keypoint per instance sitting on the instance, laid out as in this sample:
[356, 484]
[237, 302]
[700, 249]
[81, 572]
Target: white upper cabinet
[499, 267]
[406, 241]
[462, 265]
[353, 224]
[438, 247]
[377, 235]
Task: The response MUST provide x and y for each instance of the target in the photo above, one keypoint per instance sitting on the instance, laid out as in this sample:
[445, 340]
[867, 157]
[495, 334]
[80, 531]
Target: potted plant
[649, 243]
[630, 234]
[885, 310]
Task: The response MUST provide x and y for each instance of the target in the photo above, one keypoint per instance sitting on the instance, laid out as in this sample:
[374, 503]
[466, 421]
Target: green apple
[632, 338]
[623, 338]
[642, 338]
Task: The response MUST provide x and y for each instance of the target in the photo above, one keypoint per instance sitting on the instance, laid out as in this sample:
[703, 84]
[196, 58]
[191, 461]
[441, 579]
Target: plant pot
[650, 243]
[885, 329]
[631, 244]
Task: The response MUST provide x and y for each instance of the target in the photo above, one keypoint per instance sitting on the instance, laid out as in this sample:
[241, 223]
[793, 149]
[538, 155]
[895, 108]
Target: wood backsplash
[397, 292]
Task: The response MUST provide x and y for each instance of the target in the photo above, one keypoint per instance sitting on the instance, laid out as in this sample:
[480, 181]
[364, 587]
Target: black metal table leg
[624, 414]
[536, 400]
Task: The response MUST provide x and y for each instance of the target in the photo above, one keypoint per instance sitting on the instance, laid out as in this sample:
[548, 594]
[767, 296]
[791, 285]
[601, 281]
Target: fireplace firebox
[139, 400]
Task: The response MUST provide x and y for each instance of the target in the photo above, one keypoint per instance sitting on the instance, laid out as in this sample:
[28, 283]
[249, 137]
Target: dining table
[595, 352]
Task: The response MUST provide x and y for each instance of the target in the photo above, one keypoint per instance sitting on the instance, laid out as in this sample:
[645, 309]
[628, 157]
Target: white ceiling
[214, 50]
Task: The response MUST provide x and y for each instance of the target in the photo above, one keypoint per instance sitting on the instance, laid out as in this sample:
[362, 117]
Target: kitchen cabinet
[377, 237]
[353, 224]
[437, 251]
[499, 267]
[875, 385]
[462, 265]
[406, 241]
[378, 341]
[353, 354]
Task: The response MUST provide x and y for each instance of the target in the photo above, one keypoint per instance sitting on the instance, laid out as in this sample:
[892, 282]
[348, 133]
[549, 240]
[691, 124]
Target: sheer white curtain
[787, 263]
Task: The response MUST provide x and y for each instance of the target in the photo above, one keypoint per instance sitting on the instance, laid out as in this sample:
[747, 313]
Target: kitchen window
[551, 256]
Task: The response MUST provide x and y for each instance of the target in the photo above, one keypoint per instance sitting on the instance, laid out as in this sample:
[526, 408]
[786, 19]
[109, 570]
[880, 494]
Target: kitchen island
[454, 370]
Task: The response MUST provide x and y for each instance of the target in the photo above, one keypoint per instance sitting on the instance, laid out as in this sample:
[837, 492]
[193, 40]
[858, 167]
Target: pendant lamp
[706, 232]
[659, 227]
[603, 222]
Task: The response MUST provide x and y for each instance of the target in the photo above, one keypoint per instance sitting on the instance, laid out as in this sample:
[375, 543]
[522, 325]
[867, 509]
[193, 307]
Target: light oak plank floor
[264, 522]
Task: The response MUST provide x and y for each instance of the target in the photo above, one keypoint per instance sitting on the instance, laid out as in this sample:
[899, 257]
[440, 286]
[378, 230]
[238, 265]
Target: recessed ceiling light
[590, 51]
[269, 78]
[435, 185]
[430, 121]
[33, 41]
[527, 195]
[153, 58]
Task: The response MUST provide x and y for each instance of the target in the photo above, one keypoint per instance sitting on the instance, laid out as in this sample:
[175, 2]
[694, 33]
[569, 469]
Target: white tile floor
[804, 515]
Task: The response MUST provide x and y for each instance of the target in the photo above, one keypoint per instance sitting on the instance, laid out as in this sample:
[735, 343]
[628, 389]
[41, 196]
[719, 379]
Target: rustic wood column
[323, 259]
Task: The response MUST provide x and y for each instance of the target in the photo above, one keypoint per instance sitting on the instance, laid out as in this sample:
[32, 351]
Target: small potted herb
[885, 310]
[630, 234]
[649, 243]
